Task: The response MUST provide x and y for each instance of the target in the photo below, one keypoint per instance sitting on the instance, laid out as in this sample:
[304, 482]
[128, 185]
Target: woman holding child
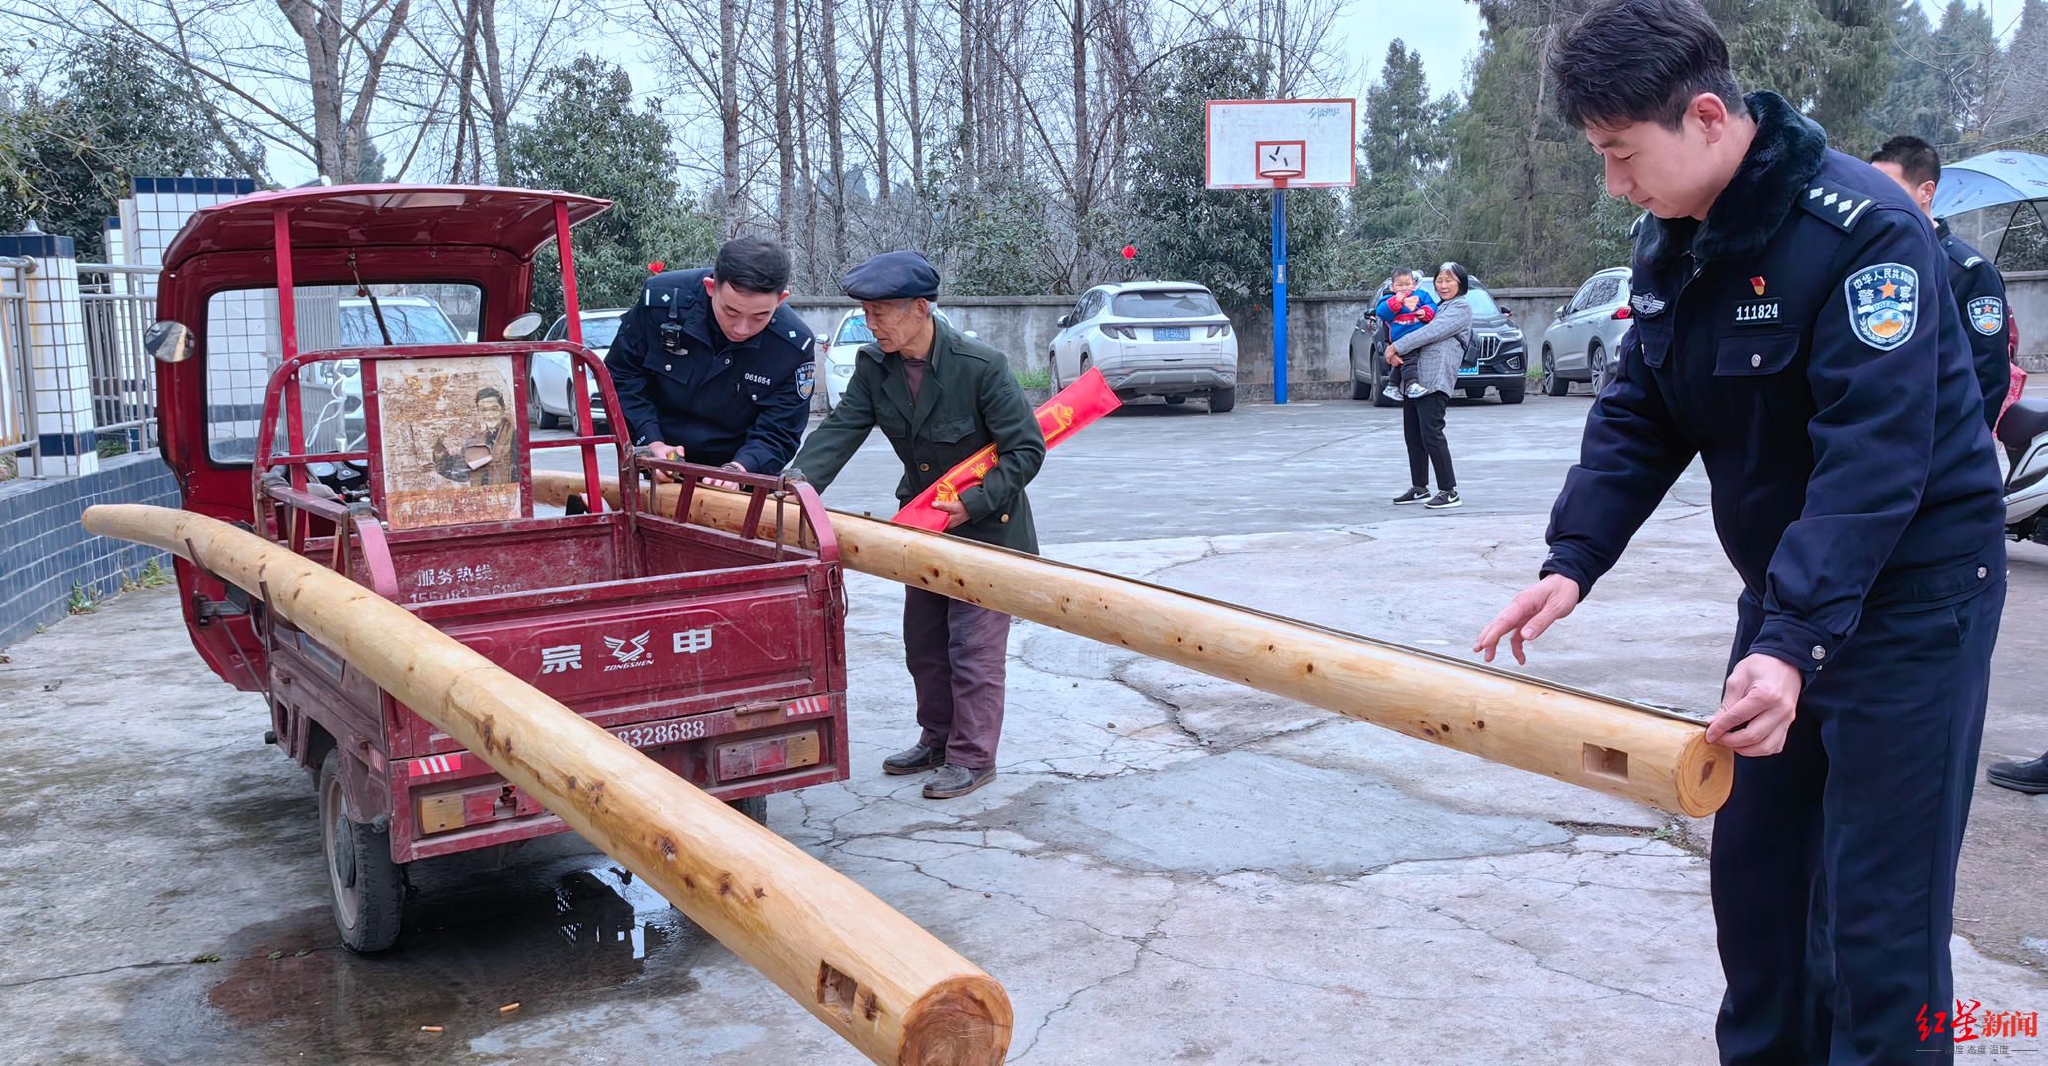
[1432, 352]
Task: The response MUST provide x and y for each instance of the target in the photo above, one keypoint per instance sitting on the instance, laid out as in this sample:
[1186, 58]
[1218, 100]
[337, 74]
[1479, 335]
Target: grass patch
[151, 576]
[1035, 379]
[110, 447]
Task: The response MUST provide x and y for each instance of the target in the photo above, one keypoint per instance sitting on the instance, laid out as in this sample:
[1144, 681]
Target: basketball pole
[1279, 290]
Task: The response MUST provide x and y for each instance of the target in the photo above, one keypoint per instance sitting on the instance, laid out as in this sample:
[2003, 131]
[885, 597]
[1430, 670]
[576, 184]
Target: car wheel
[1052, 362]
[1379, 386]
[536, 415]
[1596, 357]
[1552, 384]
[1361, 390]
[367, 888]
[1513, 391]
[1222, 400]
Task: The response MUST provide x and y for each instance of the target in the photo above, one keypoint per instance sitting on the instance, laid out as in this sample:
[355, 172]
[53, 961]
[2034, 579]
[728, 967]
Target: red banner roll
[1058, 418]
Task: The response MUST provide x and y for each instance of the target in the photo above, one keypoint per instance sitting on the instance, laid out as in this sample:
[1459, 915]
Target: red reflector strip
[435, 764]
[809, 706]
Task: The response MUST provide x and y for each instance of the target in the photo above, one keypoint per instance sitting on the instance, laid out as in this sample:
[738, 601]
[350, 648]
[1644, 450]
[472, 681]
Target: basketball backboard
[1263, 144]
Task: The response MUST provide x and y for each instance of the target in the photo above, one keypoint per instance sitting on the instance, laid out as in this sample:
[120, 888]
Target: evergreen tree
[1964, 52]
[78, 152]
[591, 138]
[1396, 209]
[1912, 97]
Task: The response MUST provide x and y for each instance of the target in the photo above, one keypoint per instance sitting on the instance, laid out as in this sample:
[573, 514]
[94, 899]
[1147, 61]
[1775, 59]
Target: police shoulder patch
[1884, 304]
[1987, 315]
[806, 377]
[1836, 206]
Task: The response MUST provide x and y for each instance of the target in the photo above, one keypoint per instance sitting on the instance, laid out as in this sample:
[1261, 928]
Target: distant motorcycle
[2023, 430]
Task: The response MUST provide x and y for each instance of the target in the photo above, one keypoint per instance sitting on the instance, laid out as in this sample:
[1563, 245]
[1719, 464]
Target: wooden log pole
[1612, 746]
[887, 986]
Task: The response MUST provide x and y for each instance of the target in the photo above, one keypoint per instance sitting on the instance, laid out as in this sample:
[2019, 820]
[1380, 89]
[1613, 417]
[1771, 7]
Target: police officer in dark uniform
[1978, 287]
[712, 367]
[1792, 332]
[939, 397]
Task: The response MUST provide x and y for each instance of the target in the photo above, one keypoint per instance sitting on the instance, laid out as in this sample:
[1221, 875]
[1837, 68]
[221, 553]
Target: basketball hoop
[1280, 161]
[1263, 145]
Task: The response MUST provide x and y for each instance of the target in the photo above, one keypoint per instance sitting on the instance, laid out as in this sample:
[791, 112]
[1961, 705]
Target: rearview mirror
[168, 342]
[1066, 320]
[522, 327]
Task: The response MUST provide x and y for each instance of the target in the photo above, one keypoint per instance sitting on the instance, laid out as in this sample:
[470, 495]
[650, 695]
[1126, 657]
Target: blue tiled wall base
[44, 549]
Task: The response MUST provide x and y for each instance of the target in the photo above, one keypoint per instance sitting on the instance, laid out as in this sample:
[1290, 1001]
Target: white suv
[1150, 338]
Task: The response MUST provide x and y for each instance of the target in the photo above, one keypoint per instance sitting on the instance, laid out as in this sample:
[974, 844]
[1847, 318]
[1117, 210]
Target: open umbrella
[1991, 180]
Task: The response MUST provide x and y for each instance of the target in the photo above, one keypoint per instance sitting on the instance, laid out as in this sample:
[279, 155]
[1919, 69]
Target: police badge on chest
[1764, 312]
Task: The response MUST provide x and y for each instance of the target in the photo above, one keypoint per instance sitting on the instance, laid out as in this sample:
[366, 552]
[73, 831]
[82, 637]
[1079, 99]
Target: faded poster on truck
[451, 448]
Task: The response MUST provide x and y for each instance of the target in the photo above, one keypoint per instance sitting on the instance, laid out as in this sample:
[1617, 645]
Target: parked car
[548, 400]
[1585, 337]
[838, 349]
[1497, 359]
[1150, 338]
[331, 392]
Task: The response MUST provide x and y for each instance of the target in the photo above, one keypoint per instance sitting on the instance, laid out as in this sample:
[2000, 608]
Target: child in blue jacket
[1405, 310]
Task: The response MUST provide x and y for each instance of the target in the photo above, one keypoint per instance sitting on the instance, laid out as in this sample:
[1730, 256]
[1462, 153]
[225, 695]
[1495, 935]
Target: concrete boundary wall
[1319, 329]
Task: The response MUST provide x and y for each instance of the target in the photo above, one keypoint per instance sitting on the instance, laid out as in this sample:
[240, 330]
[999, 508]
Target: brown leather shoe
[914, 761]
[953, 781]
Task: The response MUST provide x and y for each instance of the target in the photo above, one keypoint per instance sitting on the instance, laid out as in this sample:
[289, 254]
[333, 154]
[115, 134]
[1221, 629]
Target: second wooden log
[1607, 745]
[887, 986]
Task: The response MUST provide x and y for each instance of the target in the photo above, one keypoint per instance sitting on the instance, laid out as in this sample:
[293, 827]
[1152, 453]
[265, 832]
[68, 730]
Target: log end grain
[1706, 774]
[963, 1021]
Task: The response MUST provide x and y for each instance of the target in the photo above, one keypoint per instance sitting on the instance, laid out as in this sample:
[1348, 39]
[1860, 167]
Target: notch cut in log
[895, 992]
[1611, 746]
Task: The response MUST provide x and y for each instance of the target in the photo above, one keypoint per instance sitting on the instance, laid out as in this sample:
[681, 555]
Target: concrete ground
[1169, 868]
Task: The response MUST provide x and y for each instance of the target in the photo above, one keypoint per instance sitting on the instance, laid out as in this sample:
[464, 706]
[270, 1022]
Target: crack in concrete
[1140, 946]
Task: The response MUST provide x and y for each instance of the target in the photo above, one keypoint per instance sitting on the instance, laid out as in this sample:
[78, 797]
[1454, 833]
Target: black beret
[892, 276]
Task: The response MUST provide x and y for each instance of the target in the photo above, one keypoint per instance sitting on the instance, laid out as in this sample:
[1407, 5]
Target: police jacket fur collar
[1781, 163]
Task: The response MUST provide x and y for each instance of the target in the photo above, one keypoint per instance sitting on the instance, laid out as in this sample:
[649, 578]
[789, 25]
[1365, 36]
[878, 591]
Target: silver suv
[1150, 338]
[1582, 344]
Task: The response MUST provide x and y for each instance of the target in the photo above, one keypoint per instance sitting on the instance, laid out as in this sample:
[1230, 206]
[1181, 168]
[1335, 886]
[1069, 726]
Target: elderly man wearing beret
[939, 397]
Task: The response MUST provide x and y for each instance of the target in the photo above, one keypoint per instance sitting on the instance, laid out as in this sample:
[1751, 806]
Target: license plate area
[677, 731]
[1169, 333]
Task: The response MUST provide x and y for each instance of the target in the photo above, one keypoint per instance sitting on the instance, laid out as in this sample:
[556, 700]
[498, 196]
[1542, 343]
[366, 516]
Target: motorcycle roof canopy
[516, 222]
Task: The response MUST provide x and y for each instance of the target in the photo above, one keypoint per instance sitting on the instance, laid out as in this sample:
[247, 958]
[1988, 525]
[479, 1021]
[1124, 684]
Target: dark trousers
[1834, 860]
[957, 654]
[1422, 422]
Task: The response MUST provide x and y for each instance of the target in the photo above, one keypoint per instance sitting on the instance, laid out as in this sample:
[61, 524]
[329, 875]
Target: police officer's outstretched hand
[1528, 615]
[1757, 706]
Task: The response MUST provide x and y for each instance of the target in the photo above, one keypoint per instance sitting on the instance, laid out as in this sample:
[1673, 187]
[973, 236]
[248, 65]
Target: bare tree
[916, 102]
[785, 148]
[828, 47]
[339, 42]
[316, 100]
[878, 20]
